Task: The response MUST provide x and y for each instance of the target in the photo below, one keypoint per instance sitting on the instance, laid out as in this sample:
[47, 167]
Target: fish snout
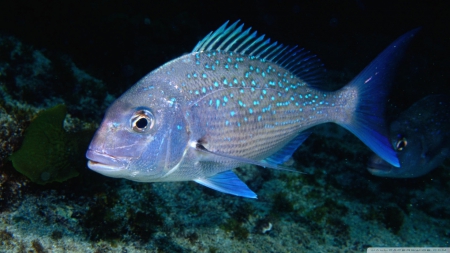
[102, 162]
[378, 167]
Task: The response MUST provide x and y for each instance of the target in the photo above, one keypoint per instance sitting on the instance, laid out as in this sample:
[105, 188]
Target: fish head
[413, 161]
[420, 137]
[142, 136]
[413, 152]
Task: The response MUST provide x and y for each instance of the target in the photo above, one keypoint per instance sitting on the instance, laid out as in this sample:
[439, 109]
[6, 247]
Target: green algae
[48, 153]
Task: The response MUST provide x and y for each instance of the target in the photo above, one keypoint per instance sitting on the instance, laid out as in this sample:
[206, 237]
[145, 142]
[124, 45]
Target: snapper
[236, 99]
[421, 138]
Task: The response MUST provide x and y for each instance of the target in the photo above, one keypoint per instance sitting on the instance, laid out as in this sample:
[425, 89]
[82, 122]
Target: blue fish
[421, 138]
[236, 99]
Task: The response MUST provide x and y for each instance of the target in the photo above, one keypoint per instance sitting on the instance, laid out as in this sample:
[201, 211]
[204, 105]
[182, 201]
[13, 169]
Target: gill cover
[169, 142]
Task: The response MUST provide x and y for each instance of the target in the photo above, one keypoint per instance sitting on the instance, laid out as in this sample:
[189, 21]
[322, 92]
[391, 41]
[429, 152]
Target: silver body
[236, 99]
[250, 111]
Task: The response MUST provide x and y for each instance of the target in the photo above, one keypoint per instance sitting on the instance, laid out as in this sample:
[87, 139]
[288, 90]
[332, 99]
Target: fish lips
[379, 167]
[104, 163]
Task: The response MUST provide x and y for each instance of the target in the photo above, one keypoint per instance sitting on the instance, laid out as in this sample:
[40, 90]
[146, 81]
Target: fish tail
[367, 94]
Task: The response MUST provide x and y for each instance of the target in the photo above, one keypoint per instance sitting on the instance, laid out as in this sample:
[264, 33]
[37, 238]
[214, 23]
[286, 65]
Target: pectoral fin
[263, 163]
[227, 182]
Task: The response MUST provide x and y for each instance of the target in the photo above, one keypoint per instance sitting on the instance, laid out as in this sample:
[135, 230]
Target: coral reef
[47, 79]
[11, 131]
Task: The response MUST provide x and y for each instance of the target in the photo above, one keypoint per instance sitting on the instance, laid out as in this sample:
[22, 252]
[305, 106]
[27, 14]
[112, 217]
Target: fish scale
[236, 99]
[248, 102]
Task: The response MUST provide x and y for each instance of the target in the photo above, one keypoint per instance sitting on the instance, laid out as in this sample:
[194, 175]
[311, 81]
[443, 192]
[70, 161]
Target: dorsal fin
[233, 39]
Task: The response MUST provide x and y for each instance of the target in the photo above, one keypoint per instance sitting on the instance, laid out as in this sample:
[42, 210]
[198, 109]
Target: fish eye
[142, 121]
[401, 144]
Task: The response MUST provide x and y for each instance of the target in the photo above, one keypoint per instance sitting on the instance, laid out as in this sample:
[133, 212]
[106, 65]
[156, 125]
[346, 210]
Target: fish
[421, 138]
[236, 99]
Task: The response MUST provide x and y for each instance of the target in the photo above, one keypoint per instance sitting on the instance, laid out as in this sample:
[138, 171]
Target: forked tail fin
[371, 88]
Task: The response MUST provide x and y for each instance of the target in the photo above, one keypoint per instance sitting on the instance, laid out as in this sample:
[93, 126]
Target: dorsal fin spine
[233, 39]
[285, 57]
[275, 52]
[266, 52]
[253, 43]
[255, 51]
[237, 32]
[243, 34]
[219, 34]
[210, 36]
[225, 34]
[253, 35]
[196, 48]
[292, 59]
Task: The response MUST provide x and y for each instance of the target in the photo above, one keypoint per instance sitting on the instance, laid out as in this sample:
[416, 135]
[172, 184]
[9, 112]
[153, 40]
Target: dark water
[86, 53]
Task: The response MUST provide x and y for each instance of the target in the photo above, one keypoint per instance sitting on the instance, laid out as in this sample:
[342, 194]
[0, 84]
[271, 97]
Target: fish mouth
[102, 162]
[378, 166]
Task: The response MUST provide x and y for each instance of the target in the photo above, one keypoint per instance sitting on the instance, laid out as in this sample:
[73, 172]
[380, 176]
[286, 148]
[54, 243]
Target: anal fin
[285, 153]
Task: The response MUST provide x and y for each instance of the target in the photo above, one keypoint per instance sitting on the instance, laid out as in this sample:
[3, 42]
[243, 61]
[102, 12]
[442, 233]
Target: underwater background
[84, 54]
